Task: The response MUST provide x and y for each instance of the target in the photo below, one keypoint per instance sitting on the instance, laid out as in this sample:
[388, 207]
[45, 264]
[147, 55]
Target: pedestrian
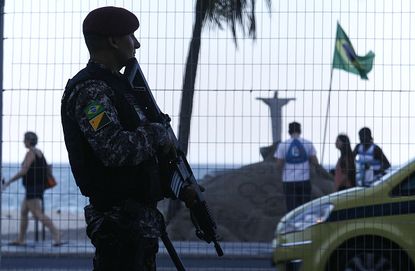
[294, 157]
[345, 173]
[113, 148]
[371, 162]
[33, 174]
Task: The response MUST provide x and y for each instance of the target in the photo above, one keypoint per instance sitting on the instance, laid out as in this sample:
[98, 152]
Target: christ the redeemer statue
[275, 104]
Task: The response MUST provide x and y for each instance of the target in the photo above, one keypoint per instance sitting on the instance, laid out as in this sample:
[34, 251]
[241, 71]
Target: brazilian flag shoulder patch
[96, 115]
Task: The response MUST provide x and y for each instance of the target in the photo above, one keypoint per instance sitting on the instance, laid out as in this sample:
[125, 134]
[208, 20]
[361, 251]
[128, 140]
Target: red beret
[110, 21]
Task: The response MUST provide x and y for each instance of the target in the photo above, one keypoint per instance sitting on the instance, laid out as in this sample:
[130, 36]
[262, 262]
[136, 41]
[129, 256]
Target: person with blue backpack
[371, 162]
[294, 157]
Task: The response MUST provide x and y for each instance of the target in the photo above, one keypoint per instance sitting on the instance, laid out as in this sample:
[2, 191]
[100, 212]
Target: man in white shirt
[293, 158]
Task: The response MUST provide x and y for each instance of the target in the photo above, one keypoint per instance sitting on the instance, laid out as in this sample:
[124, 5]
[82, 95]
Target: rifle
[172, 252]
[200, 213]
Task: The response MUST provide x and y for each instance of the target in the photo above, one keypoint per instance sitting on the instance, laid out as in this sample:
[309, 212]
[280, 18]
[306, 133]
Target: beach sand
[71, 224]
[247, 203]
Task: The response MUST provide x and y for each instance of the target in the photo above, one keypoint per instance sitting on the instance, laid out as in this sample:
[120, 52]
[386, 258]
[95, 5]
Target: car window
[406, 187]
[388, 173]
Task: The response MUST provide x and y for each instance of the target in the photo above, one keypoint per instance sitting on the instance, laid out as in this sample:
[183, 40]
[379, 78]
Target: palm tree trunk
[189, 80]
[187, 96]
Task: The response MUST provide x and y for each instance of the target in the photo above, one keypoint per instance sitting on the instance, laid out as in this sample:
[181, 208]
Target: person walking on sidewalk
[33, 173]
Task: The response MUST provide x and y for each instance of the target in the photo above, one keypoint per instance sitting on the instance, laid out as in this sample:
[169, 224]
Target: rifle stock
[200, 212]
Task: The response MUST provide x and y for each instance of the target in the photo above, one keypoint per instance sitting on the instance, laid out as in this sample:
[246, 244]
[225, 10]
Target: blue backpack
[296, 153]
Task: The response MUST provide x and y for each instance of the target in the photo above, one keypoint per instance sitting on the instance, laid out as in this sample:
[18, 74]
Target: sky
[292, 54]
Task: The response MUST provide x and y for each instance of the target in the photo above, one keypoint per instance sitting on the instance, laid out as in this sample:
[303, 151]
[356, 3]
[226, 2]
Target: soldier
[112, 148]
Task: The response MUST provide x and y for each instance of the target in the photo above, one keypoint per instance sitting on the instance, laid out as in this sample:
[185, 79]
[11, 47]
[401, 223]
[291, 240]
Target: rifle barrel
[172, 252]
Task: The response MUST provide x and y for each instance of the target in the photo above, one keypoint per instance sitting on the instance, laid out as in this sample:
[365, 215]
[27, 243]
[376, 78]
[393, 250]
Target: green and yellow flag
[345, 58]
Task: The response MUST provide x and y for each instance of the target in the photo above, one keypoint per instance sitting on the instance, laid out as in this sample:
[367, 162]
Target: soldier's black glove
[189, 194]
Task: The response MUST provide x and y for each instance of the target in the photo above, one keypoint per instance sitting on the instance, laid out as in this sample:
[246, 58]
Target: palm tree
[219, 13]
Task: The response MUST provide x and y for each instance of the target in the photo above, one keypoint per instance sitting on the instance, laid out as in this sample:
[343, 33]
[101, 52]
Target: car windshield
[389, 172]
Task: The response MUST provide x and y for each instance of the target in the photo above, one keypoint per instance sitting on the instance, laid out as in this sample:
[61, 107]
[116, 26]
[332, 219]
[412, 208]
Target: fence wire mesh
[247, 91]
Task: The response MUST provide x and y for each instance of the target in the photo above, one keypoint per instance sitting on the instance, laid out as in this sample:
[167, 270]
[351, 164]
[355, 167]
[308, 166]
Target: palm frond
[232, 13]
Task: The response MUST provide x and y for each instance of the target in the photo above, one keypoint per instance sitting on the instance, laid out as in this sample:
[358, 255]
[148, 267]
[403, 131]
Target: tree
[218, 12]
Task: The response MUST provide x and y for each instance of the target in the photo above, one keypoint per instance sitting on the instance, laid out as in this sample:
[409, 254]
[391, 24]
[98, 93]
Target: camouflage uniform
[111, 143]
[125, 237]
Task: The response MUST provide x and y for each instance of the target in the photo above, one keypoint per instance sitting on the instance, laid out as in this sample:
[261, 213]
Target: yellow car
[362, 228]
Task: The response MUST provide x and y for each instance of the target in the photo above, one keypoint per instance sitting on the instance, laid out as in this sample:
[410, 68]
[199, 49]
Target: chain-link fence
[332, 66]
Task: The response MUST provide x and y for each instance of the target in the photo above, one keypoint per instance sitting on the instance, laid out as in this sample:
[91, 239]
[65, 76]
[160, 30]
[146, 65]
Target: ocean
[66, 197]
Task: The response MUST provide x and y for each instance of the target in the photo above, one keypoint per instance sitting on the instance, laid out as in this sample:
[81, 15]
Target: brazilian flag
[345, 58]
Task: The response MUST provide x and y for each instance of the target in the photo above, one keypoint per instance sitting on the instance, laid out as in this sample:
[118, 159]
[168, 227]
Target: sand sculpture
[247, 203]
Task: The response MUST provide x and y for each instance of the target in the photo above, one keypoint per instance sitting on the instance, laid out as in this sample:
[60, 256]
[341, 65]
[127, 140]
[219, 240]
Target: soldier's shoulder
[91, 84]
[90, 88]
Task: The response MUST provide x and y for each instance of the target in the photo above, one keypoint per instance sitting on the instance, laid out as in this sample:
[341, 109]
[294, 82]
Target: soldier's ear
[113, 42]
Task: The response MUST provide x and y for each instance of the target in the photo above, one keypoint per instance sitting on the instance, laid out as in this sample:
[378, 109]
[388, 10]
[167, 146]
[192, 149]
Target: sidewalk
[183, 248]
[196, 256]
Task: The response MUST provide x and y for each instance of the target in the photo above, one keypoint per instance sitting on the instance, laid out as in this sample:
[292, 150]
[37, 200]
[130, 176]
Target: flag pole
[327, 115]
